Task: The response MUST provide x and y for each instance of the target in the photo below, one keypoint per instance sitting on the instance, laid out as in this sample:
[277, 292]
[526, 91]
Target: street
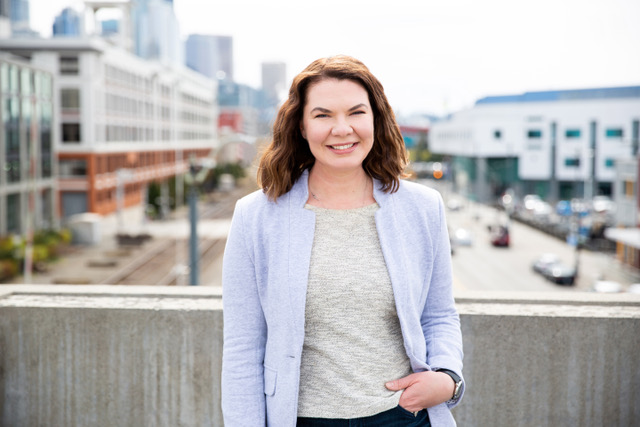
[482, 266]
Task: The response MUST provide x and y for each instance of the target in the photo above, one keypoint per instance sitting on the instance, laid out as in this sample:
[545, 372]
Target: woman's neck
[349, 190]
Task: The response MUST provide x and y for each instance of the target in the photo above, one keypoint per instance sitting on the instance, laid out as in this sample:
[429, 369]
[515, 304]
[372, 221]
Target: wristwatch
[457, 391]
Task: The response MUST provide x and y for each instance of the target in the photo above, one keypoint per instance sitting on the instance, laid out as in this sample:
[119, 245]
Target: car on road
[544, 262]
[499, 236]
[462, 237]
[455, 204]
[560, 274]
[553, 269]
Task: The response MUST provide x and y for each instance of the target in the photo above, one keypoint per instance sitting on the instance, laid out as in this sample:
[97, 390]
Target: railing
[151, 356]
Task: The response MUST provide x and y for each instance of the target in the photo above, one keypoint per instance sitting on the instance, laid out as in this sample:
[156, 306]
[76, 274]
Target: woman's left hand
[423, 389]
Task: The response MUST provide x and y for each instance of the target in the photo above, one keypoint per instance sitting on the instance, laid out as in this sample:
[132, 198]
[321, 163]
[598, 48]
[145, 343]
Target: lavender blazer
[265, 271]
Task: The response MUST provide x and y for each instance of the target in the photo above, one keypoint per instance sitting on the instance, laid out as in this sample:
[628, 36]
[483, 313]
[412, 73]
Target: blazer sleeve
[440, 319]
[243, 398]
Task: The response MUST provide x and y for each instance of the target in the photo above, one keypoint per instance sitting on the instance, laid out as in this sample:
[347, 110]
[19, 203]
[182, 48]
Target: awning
[626, 236]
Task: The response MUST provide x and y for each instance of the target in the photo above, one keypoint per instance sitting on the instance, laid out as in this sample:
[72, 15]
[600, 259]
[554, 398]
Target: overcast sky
[431, 56]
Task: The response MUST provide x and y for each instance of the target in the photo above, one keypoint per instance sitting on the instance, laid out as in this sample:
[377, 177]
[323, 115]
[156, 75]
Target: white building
[557, 144]
[119, 112]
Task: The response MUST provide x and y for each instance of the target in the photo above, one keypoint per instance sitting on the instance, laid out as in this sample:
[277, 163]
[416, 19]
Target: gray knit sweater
[350, 321]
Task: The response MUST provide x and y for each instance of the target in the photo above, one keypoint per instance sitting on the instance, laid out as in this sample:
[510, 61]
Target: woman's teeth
[342, 147]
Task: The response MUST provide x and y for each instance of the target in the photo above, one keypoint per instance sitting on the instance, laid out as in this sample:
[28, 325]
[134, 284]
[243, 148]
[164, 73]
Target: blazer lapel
[301, 228]
[391, 234]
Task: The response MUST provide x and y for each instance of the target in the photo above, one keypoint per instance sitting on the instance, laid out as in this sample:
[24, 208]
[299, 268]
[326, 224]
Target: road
[483, 267]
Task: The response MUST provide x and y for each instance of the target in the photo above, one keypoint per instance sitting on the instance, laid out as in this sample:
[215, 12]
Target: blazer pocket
[270, 376]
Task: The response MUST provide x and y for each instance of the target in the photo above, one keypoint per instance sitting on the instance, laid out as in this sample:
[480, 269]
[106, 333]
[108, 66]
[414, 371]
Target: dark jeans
[396, 417]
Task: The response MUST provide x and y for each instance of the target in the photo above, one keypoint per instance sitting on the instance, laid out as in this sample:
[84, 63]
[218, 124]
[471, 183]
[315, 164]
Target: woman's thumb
[398, 384]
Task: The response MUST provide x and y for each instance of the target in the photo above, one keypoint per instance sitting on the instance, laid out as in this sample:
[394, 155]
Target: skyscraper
[67, 23]
[274, 81]
[210, 55]
[19, 12]
[157, 32]
[109, 27]
[4, 8]
[19, 16]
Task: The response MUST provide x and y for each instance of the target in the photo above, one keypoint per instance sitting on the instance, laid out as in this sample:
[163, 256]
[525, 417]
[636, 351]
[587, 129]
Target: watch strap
[458, 383]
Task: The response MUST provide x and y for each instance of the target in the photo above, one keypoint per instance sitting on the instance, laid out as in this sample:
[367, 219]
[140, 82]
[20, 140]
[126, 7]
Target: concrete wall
[550, 360]
[110, 356]
[149, 356]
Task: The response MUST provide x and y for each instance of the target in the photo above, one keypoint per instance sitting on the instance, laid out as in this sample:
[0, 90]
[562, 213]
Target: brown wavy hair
[288, 154]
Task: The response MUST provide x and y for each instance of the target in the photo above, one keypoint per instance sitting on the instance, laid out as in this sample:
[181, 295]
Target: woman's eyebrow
[324, 110]
[355, 107]
[320, 109]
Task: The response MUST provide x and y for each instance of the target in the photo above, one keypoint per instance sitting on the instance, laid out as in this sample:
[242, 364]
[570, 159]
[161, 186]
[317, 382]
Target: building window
[609, 163]
[73, 167]
[614, 133]
[71, 132]
[11, 125]
[572, 133]
[46, 144]
[629, 188]
[572, 162]
[4, 78]
[69, 66]
[13, 213]
[497, 134]
[45, 85]
[534, 133]
[26, 81]
[14, 85]
[70, 99]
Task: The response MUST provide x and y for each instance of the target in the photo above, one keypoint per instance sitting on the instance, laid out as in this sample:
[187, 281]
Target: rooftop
[564, 95]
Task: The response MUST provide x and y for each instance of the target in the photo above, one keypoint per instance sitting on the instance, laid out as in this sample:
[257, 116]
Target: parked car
[634, 288]
[607, 286]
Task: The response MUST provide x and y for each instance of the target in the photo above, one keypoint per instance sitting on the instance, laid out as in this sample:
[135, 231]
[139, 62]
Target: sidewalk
[92, 264]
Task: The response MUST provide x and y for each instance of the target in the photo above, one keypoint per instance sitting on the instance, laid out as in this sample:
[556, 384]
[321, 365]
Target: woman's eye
[321, 116]
[358, 112]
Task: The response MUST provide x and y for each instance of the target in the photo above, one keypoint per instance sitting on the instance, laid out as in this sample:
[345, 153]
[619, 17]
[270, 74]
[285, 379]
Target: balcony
[151, 356]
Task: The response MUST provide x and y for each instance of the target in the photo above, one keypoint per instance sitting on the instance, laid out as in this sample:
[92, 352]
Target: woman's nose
[341, 128]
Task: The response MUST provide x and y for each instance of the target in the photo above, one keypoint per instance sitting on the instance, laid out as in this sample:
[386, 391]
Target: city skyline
[431, 57]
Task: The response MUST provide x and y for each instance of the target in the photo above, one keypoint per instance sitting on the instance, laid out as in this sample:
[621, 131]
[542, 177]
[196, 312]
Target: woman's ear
[304, 134]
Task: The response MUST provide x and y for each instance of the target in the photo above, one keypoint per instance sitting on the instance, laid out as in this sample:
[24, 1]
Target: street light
[197, 173]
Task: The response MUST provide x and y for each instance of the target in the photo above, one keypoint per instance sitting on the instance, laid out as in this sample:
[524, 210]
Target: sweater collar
[300, 191]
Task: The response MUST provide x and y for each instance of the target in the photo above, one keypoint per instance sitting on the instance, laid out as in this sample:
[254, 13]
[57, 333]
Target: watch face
[458, 389]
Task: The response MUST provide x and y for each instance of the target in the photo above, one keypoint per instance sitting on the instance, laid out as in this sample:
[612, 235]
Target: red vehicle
[500, 236]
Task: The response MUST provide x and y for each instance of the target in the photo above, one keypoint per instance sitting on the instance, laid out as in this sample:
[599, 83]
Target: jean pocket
[403, 411]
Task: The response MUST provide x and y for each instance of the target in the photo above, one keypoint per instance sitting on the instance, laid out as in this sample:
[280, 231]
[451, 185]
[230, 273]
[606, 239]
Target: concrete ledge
[561, 359]
[110, 355]
[139, 355]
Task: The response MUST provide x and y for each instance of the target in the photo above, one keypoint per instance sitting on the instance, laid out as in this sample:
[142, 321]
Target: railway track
[165, 262]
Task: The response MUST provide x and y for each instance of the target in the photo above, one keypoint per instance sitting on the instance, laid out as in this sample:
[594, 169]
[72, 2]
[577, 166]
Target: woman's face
[337, 122]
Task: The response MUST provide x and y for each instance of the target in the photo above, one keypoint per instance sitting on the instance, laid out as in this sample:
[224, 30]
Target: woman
[337, 286]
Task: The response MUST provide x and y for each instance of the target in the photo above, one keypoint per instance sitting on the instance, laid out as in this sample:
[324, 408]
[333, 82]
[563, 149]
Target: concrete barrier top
[111, 296]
